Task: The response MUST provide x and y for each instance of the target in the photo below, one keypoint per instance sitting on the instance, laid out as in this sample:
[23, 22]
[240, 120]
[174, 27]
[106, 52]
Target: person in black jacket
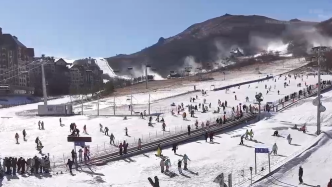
[189, 130]
[70, 165]
[179, 166]
[174, 148]
[300, 175]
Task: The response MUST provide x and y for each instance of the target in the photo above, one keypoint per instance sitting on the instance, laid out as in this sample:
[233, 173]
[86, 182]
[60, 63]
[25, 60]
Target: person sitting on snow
[276, 133]
[303, 129]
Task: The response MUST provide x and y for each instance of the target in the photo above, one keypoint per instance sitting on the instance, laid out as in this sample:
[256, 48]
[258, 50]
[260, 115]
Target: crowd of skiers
[35, 165]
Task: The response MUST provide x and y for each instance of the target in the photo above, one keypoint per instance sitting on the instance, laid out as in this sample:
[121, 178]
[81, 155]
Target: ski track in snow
[209, 160]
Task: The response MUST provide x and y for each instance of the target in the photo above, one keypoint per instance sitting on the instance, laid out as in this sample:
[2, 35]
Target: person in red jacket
[330, 183]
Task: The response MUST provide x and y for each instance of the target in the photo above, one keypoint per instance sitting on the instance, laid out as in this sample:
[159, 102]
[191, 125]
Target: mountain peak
[294, 20]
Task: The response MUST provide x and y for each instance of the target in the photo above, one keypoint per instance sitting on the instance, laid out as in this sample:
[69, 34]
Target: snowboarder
[16, 137]
[112, 139]
[24, 134]
[179, 166]
[300, 175]
[126, 130]
[139, 146]
[189, 130]
[289, 138]
[70, 165]
[185, 161]
[162, 165]
[275, 149]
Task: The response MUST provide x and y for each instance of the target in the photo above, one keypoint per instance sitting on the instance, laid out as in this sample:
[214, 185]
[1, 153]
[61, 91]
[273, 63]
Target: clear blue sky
[103, 28]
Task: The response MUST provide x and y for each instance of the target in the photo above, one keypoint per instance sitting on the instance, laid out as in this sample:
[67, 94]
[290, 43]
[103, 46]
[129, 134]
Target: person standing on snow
[275, 149]
[24, 134]
[101, 127]
[80, 151]
[139, 146]
[112, 139]
[125, 147]
[328, 185]
[167, 164]
[42, 125]
[60, 121]
[106, 131]
[39, 125]
[162, 165]
[84, 129]
[189, 130]
[185, 161]
[16, 137]
[206, 135]
[241, 142]
[126, 130]
[300, 175]
[179, 166]
[196, 124]
[289, 138]
[251, 134]
[120, 149]
[159, 150]
[164, 126]
[174, 148]
[70, 165]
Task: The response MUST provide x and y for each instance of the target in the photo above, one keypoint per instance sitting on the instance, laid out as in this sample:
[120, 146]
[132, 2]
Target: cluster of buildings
[20, 70]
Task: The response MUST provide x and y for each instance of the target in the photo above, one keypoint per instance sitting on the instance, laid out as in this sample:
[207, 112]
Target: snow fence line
[257, 80]
[261, 175]
[290, 103]
[168, 141]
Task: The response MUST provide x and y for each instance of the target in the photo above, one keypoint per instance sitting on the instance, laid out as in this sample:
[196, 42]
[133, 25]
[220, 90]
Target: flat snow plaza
[207, 159]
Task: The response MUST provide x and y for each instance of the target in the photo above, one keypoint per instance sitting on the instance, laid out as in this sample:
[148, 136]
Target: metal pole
[259, 111]
[269, 163]
[44, 84]
[131, 102]
[82, 104]
[114, 106]
[98, 106]
[146, 76]
[318, 95]
[149, 105]
[255, 164]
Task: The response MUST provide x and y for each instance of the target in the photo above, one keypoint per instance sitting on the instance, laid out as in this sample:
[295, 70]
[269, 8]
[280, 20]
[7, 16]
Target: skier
[126, 130]
[101, 127]
[125, 146]
[211, 136]
[189, 130]
[328, 185]
[112, 139]
[251, 134]
[60, 121]
[39, 125]
[235, 97]
[278, 92]
[185, 161]
[275, 149]
[24, 134]
[300, 175]
[106, 131]
[167, 164]
[70, 165]
[162, 165]
[289, 139]
[184, 115]
[179, 166]
[16, 137]
[174, 148]
[139, 144]
[42, 125]
[80, 151]
[84, 129]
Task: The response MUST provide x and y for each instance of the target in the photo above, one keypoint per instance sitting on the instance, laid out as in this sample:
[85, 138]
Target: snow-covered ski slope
[208, 160]
[105, 67]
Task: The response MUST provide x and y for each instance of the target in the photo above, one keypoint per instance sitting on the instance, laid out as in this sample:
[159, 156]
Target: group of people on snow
[14, 165]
